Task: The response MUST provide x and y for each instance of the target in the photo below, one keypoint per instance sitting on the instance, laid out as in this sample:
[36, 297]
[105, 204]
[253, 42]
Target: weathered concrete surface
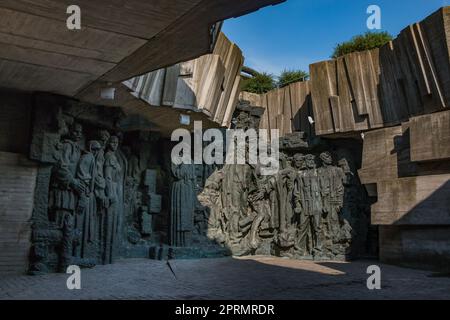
[408, 166]
[430, 137]
[416, 246]
[380, 157]
[17, 183]
[118, 40]
[286, 109]
[227, 278]
[409, 192]
[383, 87]
[422, 200]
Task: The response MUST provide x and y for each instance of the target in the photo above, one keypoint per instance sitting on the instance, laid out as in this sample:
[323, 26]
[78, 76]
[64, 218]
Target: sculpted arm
[108, 175]
[297, 194]
[63, 174]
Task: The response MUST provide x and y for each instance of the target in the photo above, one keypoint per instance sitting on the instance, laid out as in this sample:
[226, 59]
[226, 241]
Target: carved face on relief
[326, 158]
[343, 163]
[103, 137]
[299, 161]
[94, 147]
[77, 132]
[311, 161]
[113, 143]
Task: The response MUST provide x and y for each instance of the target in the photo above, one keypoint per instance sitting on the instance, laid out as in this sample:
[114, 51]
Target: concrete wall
[398, 96]
[17, 182]
[416, 246]
[407, 77]
[209, 84]
[362, 91]
[408, 164]
[286, 109]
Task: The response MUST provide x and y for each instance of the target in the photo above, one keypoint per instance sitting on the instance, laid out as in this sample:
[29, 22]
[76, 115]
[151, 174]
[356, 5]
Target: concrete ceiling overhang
[120, 39]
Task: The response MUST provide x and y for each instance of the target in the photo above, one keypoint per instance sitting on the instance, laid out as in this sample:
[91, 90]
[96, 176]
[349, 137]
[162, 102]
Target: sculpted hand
[112, 201]
[78, 186]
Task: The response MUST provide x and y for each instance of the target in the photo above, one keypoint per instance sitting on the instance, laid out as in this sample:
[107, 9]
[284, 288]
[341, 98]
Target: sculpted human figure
[285, 186]
[303, 243]
[211, 197]
[200, 212]
[353, 210]
[123, 162]
[354, 200]
[227, 194]
[112, 171]
[103, 138]
[231, 217]
[86, 217]
[235, 190]
[64, 191]
[132, 197]
[332, 190]
[311, 207]
[261, 200]
[183, 199]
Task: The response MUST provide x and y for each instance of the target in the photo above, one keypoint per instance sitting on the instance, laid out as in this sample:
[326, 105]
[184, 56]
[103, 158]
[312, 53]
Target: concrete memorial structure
[314, 208]
[392, 104]
[85, 156]
[85, 149]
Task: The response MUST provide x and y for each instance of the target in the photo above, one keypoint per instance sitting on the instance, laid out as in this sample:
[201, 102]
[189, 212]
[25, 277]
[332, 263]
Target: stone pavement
[230, 278]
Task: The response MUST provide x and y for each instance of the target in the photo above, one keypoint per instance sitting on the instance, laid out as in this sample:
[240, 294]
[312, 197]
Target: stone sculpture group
[296, 213]
[86, 196]
[313, 208]
[97, 198]
[97, 195]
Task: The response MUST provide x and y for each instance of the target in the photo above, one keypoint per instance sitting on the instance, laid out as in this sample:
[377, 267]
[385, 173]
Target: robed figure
[86, 213]
[112, 175]
[64, 191]
[183, 197]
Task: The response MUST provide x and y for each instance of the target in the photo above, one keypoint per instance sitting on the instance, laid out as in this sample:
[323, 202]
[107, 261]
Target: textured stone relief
[183, 205]
[103, 194]
[313, 208]
[96, 194]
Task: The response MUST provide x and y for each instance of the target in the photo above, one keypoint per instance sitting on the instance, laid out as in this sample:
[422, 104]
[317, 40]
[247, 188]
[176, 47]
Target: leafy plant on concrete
[367, 41]
[259, 83]
[290, 76]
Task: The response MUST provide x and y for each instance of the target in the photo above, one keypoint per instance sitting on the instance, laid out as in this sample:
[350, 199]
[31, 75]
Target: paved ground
[228, 278]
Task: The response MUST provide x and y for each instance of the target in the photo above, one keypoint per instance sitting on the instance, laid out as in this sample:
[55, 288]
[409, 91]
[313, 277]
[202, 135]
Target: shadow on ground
[248, 278]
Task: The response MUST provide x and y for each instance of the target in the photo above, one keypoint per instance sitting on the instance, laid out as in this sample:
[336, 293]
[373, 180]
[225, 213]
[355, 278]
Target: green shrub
[259, 83]
[290, 76]
[367, 41]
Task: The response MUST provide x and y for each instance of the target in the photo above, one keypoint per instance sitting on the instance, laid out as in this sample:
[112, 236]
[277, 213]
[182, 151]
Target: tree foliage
[290, 76]
[256, 82]
[367, 41]
[259, 83]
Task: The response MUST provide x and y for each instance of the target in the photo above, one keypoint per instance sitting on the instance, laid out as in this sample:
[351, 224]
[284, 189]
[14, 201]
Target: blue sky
[297, 33]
